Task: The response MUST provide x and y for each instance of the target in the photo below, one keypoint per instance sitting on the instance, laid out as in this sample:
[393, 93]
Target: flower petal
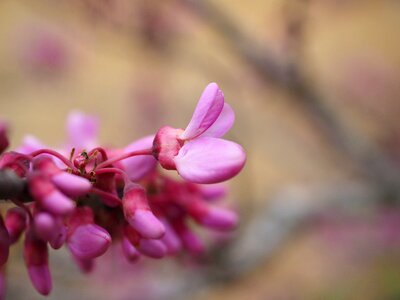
[82, 130]
[30, 144]
[71, 185]
[210, 160]
[207, 111]
[223, 124]
[89, 241]
[139, 166]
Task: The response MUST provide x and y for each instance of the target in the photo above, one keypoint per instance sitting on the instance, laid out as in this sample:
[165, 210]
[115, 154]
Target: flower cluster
[89, 196]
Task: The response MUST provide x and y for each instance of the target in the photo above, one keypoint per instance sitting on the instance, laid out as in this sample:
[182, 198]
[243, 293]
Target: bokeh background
[315, 85]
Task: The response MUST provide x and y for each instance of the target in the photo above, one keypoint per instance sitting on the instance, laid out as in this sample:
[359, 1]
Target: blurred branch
[12, 186]
[289, 76]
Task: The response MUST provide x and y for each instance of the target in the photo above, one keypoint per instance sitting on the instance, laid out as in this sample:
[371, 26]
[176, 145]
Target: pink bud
[4, 243]
[59, 237]
[213, 217]
[36, 259]
[4, 143]
[88, 241]
[45, 226]
[148, 247]
[166, 146]
[48, 197]
[152, 248]
[213, 192]
[189, 239]
[71, 185]
[171, 240]
[15, 222]
[130, 252]
[138, 167]
[138, 213]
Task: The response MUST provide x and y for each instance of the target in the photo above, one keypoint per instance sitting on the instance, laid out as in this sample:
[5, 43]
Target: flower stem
[55, 154]
[124, 156]
[114, 199]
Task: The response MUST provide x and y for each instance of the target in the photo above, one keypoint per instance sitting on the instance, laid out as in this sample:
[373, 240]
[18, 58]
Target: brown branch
[13, 187]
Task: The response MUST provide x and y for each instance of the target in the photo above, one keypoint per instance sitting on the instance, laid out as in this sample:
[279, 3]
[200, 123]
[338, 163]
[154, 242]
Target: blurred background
[316, 90]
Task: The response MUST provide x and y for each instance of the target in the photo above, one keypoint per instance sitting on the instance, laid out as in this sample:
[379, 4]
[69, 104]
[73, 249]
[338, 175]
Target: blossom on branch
[86, 197]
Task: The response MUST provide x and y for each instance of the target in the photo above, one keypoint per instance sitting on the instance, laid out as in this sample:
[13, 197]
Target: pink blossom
[15, 222]
[36, 260]
[86, 240]
[138, 213]
[198, 153]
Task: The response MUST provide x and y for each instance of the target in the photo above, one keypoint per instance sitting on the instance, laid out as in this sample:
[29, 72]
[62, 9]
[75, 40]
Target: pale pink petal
[57, 203]
[213, 192]
[30, 144]
[82, 130]
[223, 124]
[89, 241]
[210, 160]
[71, 185]
[207, 111]
[139, 166]
[219, 218]
[146, 223]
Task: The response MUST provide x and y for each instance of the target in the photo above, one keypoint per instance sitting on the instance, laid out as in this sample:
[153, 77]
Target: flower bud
[138, 213]
[36, 260]
[85, 239]
[130, 252]
[166, 146]
[15, 222]
[47, 195]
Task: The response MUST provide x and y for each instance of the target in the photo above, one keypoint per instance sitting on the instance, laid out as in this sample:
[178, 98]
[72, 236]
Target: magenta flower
[15, 222]
[86, 196]
[86, 240]
[198, 153]
[138, 213]
[36, 257]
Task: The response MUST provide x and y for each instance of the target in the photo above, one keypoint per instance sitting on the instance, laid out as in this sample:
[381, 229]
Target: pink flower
[36, 257]
[138, 167]
[86, 240]
[15, 222]
[198, 153]
[48, 196]
[138, 213]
